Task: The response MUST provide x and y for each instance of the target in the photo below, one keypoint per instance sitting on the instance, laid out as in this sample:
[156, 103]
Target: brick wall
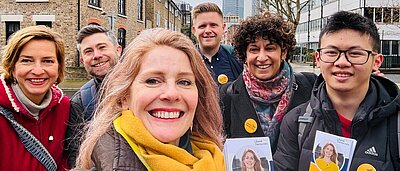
[66, 21]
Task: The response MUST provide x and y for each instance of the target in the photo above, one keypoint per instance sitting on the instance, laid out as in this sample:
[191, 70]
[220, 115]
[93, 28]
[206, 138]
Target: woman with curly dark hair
[254, 104]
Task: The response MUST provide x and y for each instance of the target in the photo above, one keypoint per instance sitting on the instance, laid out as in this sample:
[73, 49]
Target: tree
[288, 8]
[187, 30]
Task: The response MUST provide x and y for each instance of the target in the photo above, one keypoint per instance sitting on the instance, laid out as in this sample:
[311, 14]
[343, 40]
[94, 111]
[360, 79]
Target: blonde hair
[17, 42]
[333, 158]
[207, 122]
[206, 7]
[257, 163]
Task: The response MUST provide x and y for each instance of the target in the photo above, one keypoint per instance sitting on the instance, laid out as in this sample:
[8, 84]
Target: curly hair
[270, 26]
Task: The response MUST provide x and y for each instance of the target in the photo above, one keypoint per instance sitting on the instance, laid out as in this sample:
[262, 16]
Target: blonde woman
[159, 110]
[250, 161]
[33, 62]
[327, 161]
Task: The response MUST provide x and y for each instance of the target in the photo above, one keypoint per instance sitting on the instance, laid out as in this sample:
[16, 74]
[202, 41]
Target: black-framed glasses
[354, 56]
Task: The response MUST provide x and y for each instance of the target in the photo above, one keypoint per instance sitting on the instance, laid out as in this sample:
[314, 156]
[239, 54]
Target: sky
[193, 3]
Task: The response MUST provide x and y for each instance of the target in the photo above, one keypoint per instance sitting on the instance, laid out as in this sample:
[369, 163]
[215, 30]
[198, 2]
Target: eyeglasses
[354, 56]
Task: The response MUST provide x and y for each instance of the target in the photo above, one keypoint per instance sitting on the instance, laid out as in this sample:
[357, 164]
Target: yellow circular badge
[366, 167]
[222, 78]
[250, 126]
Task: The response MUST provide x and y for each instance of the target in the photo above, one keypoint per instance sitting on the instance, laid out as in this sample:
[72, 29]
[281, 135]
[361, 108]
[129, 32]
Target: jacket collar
[12, 102]
[382, 100]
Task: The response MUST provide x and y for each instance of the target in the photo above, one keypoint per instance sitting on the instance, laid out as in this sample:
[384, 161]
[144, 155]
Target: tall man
[208, 27]
[99, 52]
[346, 100]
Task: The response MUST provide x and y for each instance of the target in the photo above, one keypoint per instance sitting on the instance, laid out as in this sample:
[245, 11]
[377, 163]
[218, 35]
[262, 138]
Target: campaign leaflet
[332, 152]
[250, 153]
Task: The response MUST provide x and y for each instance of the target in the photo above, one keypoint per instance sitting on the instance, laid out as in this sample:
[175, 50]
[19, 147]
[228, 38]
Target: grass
[72, 83]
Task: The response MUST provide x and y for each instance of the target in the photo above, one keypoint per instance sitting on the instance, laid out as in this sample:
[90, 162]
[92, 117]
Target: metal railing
[390, 62]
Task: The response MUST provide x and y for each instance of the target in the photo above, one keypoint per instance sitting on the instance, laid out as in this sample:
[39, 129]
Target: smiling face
[342, 76]
[263, 58]
[249, 160]
[99, 54]
[36, 69]
[328, 151]
[164, 95]
[208, 28]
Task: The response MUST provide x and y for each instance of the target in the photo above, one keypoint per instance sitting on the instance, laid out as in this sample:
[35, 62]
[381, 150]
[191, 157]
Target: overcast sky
[195, 2]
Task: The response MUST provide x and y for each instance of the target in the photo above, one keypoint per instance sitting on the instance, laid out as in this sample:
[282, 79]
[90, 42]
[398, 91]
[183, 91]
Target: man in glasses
[347, 100]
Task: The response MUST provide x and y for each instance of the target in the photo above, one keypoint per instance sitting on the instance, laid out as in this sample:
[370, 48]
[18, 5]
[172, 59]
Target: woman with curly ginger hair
[256, 102]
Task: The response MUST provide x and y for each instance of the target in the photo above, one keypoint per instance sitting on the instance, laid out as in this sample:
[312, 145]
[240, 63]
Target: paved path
[305, 67]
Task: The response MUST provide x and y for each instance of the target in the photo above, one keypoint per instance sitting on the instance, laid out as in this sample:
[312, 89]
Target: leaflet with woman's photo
[332, 152]
[248, 153]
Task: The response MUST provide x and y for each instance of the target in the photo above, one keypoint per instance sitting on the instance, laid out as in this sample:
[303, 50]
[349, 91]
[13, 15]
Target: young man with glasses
[347, 100]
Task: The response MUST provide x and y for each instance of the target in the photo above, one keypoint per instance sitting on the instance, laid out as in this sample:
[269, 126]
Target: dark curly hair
[270, 26]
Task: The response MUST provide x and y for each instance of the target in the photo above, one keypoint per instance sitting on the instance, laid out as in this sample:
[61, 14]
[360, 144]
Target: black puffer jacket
[370, 127]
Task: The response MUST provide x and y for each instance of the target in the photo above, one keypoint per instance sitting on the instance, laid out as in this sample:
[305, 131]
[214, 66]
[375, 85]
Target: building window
[387, 15]
[11, 27]
[97, 24]
[140, 10]
[378, 14]
[369, 13]
[44, 23]
[95, 3]
[158, 19]
[396, 15]
[385, 47]
[121, 37]
[395, 47]
[121, 7]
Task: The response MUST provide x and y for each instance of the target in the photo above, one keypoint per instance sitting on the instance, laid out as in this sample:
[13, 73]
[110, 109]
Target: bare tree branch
[288, 8]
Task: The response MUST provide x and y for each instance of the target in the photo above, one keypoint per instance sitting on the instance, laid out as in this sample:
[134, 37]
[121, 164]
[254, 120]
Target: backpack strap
[394, 139]
[303, 121]
[398, 135]
[397, 157]
[226, 91]
[31, 143]
[88, 93]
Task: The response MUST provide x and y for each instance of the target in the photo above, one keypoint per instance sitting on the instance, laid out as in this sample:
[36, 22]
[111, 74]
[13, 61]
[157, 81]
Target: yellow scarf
[159, 156]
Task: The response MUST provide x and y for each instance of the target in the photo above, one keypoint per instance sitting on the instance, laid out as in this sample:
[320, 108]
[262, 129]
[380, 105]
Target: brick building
[60, 15]
[127, 18]
[164, 14]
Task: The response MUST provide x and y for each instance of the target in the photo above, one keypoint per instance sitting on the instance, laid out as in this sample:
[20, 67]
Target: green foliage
[187, 30]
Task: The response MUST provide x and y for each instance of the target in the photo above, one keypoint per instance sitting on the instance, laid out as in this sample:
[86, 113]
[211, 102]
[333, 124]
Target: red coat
[52, 122]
